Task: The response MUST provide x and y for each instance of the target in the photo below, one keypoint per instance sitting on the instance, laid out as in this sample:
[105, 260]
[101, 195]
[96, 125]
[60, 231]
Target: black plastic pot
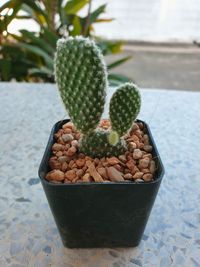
[92, 215]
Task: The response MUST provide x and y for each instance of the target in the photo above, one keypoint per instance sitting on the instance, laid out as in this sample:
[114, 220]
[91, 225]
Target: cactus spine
[81, 76]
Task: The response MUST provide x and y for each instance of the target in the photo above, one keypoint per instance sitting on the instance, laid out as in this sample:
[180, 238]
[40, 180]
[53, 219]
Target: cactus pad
[82, 81]
[124, 107]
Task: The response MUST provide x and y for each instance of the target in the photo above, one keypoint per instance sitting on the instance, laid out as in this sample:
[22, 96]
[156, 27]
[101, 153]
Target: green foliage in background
[28, 56]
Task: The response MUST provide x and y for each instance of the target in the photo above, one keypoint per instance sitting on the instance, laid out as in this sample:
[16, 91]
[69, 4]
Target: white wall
[151, 20]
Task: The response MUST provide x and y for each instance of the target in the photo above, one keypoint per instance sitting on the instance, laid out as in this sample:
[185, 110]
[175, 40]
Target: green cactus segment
[124, 107]
[96, 144]
[82, 81]
[113, 138]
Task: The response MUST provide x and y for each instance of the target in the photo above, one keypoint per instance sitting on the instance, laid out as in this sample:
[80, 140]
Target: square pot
[90, 215]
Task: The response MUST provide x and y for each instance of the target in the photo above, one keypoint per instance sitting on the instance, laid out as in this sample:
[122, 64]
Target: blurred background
[154, 43]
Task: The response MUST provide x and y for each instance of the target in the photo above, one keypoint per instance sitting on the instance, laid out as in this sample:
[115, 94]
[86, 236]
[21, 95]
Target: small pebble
[54, 164]
[147, 148]
[80, 162]
[137, 154]
[134, 127]
[68, 125]
[62, 159]
[79, 173]
[132, 146]
[64, 166]
[144, 163]
[86, 178]
[122, 158]
[139, 181]
[145, 170]
[56, 175]
[93, 172]
[102, 172]
[57, 147]
[74, 143]
[128, 176]
[152, 167]
[67, 130]
[59, 154]
[71, 151]
[130, 164]
[138, 175]
[141, 126]
[114, 174]
[67, 137]
[147, 177]
[70, 175]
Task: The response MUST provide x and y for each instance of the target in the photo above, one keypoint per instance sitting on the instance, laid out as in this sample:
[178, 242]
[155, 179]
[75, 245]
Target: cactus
[124, 107]
[81, 75]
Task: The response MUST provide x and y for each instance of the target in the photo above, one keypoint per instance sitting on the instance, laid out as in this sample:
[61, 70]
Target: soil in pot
[68, 165]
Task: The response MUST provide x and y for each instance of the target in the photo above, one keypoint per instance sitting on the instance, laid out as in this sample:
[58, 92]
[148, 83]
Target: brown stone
[152, 167]
[137, 154]
[145, 170]
[144, 163]
[75, 179]
[70, 175]
[96, 161]
[67, 131]
[68, 125]
[128, 176]
[113, 160]
[130, 164]
[102, 172]
[80, 162]
[54, 164]
[118, 167]
[86, 178]
[74, 143]
[71, 163]
[71, 151]
[64, 166]
[147, 177]
[147, 155]
[134, 127]
[57, 147]
[67, 137]
[114, 174]
[56, 175]
[138, 175]
[132, 146]
[141, 125]
[147, 148]
[79, 173]
[145, 139]
[93, 172]
[62, 159]
[59, 153]
[122, 158]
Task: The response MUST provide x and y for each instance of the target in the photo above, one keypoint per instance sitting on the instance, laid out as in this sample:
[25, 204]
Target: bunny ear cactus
[81, 75]
[124, 107]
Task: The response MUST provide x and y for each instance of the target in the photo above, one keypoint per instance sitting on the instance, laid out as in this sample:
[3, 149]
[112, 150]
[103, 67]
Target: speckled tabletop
[28, 235]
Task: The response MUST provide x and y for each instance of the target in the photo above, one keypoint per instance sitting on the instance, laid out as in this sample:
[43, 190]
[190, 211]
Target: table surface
[28, 234]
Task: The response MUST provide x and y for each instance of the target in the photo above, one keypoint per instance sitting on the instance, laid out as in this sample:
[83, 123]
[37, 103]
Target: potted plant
[100, 177]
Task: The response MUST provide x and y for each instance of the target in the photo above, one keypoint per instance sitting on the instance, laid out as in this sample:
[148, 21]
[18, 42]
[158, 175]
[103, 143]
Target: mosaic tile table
[28, 235]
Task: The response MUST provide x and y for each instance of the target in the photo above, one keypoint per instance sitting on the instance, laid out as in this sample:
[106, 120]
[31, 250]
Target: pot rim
[104, 184]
